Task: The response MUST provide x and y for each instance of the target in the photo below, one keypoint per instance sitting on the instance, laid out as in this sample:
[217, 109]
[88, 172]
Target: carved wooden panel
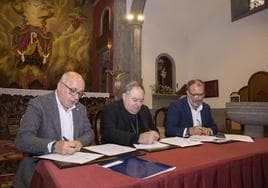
[258, 87]
[13, 107]
[243, 92]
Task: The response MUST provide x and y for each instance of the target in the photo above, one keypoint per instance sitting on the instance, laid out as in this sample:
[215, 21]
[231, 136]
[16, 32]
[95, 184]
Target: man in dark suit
[128, 121]
[53, 123]
[190, 115]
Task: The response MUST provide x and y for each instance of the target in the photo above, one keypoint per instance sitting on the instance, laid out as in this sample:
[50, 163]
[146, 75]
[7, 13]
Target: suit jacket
[179, 117]
[39, 126]
[116, 127]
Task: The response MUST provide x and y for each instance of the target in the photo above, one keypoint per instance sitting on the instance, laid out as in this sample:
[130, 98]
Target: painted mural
[41, 39]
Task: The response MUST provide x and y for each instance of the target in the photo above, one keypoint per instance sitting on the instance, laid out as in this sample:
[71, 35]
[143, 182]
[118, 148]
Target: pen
[65, 139]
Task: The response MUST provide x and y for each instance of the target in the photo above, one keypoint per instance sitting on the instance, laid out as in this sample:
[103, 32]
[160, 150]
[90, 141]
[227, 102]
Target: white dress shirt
[66, 122]
[196, 116]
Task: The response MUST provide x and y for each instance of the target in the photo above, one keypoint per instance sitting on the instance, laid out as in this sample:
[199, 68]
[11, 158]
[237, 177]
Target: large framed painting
[242, 8]
[40, 40]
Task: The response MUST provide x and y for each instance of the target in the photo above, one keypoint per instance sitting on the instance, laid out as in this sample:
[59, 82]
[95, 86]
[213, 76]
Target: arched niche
[105, 24]
[104, 47]
[165, 71]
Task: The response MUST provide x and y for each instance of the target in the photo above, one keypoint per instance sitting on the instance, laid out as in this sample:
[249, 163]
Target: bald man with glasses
[190, 115]
[128, 121]
[53, 123]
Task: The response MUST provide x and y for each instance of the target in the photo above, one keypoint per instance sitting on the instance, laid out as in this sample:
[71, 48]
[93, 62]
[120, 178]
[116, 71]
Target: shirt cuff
[185, 134]
[49, 146]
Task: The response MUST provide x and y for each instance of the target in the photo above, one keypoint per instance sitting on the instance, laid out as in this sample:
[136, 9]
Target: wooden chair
[160, 125]
[96, 127]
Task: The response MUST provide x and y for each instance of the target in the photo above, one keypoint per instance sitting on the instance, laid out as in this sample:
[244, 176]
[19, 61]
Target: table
[237, 164]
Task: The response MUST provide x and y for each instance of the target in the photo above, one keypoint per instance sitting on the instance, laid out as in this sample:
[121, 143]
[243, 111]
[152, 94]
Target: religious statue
[163, 75]
[117, 76]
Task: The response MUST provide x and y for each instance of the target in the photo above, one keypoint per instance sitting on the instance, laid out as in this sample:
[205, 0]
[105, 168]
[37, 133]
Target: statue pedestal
[253, 115]
[163, 100]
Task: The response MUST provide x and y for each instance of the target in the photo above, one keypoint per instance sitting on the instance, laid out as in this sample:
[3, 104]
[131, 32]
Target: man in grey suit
[53, 123]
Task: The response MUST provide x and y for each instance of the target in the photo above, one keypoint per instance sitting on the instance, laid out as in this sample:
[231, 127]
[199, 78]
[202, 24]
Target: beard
[196, 103]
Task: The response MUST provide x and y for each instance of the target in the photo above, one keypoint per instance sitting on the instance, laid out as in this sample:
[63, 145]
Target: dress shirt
[66, 122]
[196, 116]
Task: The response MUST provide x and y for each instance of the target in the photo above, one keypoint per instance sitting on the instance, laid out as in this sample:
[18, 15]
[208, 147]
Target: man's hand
[67, 147]
[148, 137]
[207, 131]
[196, 130]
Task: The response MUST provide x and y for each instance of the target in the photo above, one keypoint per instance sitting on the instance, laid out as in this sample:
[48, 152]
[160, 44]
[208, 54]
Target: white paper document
[77, 157]
[237, 137]
[203, 138]
[178, 141]
[228, 137]
[110, 149]
[155, 145]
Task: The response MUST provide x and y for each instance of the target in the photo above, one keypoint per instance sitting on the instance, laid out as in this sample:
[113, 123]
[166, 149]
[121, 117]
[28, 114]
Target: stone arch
[165, 71]
[105, 22]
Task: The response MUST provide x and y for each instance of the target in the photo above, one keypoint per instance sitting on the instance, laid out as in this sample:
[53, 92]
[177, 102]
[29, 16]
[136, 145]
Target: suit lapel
[124, 113]
[187, 109]
[55, 113]
[203, 117]
[76, 121]
[143, 119]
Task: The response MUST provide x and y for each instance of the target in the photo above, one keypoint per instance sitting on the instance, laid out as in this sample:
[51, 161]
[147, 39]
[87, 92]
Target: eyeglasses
[73, 91]
[197, 94]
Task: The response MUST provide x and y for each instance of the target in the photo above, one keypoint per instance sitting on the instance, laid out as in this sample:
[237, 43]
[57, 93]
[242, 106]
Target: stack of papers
[77, 157]
[202, 138]
[236, 137]
[155, 145]
[182, 142]
[137, 167]
[110, 149]
[226, 138]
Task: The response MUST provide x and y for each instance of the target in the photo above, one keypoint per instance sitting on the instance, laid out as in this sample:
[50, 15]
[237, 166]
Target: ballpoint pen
[67, 140]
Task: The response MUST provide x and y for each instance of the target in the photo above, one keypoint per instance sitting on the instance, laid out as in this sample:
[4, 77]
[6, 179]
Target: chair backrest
[243, 93]
[96, 127]
[160, 114]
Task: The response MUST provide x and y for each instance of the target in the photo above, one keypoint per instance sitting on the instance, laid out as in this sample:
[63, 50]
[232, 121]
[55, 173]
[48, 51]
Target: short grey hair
[129, 86]
[195, 81]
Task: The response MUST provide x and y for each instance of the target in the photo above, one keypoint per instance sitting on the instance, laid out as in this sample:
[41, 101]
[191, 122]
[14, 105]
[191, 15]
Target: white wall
[204, 43]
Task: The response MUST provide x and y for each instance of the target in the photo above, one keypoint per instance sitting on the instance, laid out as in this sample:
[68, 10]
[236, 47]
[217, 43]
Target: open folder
[136, 167]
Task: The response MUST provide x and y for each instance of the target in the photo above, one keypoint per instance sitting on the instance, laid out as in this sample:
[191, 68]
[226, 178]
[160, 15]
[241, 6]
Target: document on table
[203, 138]
[237, 137]
[182, 142]
[77, 157]
[155, 145]
[227, 138]
[110, 149]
